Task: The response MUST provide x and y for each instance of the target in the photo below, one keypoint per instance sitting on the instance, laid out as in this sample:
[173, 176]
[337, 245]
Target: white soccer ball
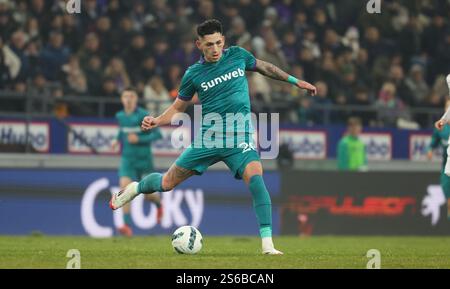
[187, 240]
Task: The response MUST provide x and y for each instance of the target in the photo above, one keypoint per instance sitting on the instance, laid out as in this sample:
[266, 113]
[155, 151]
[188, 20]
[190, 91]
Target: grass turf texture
[225, 252]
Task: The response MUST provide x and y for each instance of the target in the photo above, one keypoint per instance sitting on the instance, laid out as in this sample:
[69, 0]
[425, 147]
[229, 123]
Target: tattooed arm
[272, 71]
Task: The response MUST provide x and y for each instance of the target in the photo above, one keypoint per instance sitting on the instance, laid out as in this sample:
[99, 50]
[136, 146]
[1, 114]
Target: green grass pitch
[225, 252]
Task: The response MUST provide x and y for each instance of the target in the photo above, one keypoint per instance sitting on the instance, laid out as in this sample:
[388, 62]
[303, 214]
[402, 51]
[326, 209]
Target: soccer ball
[187, 240]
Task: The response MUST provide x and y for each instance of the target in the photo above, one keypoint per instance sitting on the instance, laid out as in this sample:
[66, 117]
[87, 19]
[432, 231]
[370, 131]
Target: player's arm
[272, 71]
[149, 137]
[446, 117]
[116, 141]
[165, 118]
[435, 141]
[185, 94]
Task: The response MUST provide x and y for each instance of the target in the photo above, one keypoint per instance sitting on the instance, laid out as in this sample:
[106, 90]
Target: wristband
[292, 80]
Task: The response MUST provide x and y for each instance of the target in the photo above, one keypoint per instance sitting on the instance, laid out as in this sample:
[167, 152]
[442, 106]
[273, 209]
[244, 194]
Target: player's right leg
[154, 182]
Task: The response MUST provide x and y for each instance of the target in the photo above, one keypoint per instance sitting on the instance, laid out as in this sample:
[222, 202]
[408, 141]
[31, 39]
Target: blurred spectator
[18, 45]
[54, 56]
[363, 99]
[134, 55]
[305, 114]
[237, 34]
[289, 46]
[156, 96]
[435, 32]
[340, 116]
[72, 36]
[321, 102]
[418, 88]
[186, 54]
[147, 69]
[390, 107]
[32, 28]
[94, 75]
[7, 24]
[173, 76]
[89, 14]
[397, 77]
[90, 48]
[161, 52]
[138, 15]
[374, 45]
[328, 41]
[75, 78]
[9, 64]
[205, 10]
[117, 72]
[106, 37]
[351, 151]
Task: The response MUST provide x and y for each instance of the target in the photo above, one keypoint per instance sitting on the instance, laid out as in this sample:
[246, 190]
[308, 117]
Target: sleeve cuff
[251, 67]
[185, 98]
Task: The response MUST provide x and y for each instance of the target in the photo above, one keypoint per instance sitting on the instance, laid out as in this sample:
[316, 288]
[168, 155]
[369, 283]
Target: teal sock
[262, 205]
[150, 184]
[127, 219]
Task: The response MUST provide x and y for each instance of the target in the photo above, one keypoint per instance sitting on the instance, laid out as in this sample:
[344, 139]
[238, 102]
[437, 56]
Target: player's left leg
[146, 168]
[253, 177]
[126, 228]
[245, 164]
[156, 199]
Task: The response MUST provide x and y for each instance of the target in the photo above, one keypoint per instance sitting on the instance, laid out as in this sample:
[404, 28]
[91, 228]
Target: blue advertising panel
[75, 202]
[77, 135]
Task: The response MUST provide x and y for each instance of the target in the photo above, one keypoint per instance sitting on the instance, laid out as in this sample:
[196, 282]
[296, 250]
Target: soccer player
[137, 159]
[219, 80]
[441, 136]
[351, 152]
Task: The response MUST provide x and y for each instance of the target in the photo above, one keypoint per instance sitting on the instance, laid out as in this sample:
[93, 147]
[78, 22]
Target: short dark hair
[130, 89]
[352, 121]
[210, 26]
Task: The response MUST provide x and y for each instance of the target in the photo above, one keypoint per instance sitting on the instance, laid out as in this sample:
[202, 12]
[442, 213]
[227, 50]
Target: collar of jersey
[203, 61]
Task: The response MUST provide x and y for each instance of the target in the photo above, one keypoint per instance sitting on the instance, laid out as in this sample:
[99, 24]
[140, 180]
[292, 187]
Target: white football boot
[268, 248]
[124, 196]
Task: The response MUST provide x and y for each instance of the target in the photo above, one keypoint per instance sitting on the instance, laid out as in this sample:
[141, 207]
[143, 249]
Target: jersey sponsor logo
[378, 146]
[223, 78]
[15, 133]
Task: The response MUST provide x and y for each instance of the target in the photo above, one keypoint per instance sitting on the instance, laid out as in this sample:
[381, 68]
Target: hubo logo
[373, 6]
[177, 205]
[73, 6]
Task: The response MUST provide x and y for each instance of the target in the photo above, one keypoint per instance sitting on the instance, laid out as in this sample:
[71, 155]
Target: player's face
[129, 100]
[211, 46]
[355, 129]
